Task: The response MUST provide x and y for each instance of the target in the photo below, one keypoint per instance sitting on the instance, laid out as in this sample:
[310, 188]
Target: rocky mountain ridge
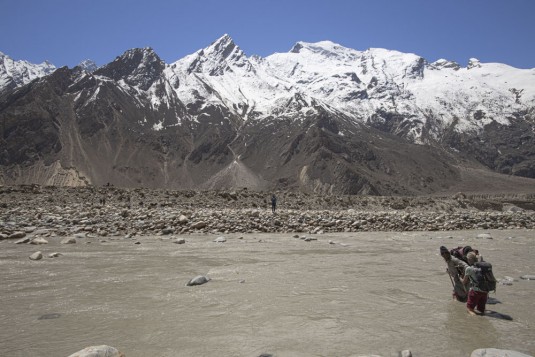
[319, 118]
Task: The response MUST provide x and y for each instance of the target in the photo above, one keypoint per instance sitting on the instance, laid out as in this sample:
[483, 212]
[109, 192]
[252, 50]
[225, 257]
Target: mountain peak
[219, 57]
[443, 63]
[473, 63]
[225, 39]
[137, 66]
[17, 73]
[317, 46]
[223, 47]
[88, 65]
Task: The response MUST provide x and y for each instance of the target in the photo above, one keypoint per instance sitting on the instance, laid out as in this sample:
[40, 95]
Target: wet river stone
[494, 352]
[36, 256]
[198, 280]
[98, 351]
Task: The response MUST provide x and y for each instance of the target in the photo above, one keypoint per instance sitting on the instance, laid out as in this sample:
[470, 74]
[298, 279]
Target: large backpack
[485, 279]
[457, 252]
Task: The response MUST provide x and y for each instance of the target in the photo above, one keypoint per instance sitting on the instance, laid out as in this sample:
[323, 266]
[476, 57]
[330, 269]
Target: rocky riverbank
[111, 211]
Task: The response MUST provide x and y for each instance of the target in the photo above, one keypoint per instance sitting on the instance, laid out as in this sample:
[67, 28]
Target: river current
[344, 294]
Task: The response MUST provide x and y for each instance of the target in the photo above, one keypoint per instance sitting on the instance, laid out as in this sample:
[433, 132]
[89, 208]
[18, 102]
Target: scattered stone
[137, 242]
[220, 240]
[98, 351]
[17, 235]
[198, 225]
[218, 212]
[180, 241]
[494, 352]
[68, 240]
[527, 277]
[406, 353]
[23, 240]
[507, 280]
[167, 231]
[484, 236]
[198, 280]
[54, 255]
[36, 256]
[38, 240]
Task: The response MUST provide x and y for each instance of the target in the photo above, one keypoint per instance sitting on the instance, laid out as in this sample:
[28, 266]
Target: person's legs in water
[482, 303]
[472, 302]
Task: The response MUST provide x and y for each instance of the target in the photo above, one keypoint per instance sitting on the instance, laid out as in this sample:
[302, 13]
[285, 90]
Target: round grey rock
[198, 280]
[36, 256]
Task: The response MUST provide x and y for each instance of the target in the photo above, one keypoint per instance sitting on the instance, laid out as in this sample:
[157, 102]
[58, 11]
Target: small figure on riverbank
[456, 271]
[273, 203]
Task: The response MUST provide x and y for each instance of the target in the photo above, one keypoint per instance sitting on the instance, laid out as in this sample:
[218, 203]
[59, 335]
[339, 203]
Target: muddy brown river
[366, 294]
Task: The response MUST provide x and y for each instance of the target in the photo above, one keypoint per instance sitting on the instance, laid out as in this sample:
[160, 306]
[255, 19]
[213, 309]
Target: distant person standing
[273, 203]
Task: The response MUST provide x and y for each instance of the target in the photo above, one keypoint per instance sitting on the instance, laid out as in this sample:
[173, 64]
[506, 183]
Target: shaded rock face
[109, 139]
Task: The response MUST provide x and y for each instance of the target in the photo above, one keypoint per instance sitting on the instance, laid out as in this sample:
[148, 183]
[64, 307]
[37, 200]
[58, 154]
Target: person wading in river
[456, 268]
[482, 280]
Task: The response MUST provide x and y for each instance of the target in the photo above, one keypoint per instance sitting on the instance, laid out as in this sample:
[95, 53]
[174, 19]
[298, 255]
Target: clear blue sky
[66, 32]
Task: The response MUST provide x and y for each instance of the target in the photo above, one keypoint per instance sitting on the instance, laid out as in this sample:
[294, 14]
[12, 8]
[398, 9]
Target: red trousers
[477, 299]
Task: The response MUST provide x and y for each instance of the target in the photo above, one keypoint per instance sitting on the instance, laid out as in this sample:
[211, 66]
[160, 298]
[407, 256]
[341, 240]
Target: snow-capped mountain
[88, 65]
[320, 117]
[17, 73]
[359, 84]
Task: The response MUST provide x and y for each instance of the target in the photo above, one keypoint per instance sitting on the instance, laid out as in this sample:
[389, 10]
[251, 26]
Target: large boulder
[98, 351]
